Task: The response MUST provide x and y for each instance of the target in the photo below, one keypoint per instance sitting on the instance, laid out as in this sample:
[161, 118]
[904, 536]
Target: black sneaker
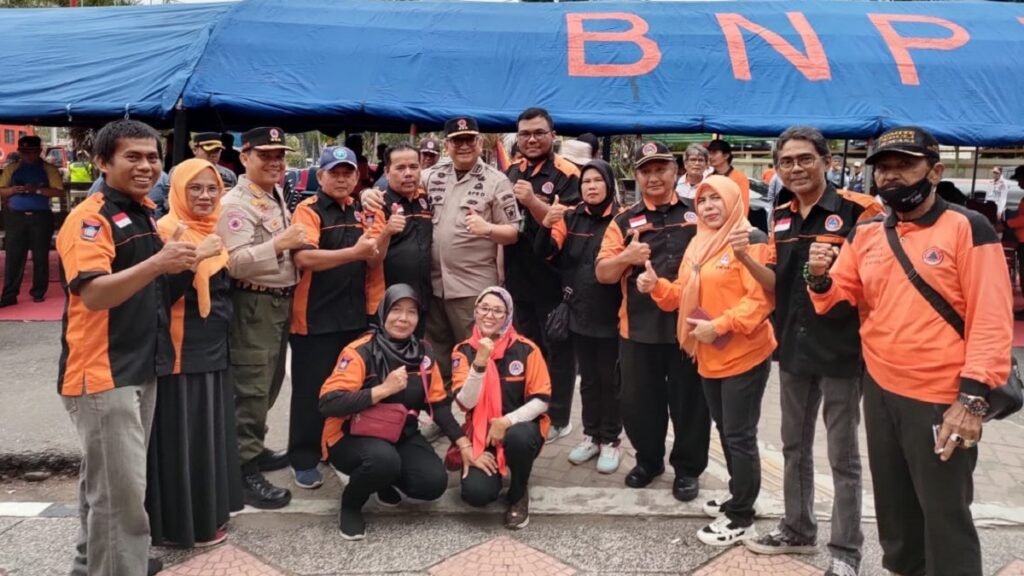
[9, 302]
[685, 488]
[389, 497]
[268, 460]
[779, 542]
[639, 476]
[352, 525]
[154, 567]
[258, 492]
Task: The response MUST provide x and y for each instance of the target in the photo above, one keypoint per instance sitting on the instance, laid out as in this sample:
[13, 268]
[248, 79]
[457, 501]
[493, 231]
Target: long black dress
[193, 478]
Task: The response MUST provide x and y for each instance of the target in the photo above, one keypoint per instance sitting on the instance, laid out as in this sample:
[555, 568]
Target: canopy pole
[842, 175]
[606, 151]
[974, 176]
[180, 133]
[412, 133]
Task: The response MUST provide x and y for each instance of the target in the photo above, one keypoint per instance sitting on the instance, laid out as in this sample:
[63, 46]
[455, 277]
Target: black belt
[279, 292]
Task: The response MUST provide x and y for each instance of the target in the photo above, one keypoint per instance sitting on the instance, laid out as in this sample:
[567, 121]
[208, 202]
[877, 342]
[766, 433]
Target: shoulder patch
[877, 220]
[344, 362]
[90, 229]
[982, 231]
[235, 219]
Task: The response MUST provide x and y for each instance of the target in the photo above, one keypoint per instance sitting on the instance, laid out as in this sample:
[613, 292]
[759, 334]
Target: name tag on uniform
[121, 220]
[638, 221]
[783, 225]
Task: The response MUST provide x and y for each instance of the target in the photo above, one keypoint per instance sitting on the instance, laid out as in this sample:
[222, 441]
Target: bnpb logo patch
[933, 256]
[516, 368]
[833, 223]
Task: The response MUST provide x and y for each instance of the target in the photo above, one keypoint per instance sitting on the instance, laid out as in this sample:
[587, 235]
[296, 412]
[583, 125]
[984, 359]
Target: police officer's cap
[430, 146]
[461, 125]
[649, 151]
[909, 140]
[30, 143]
[208, 141]
[264, 138]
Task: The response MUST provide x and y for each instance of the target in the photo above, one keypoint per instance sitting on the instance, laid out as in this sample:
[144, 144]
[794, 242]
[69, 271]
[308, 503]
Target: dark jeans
[27, 232]
[530, 318]
[372, 464]
[522, 445]
[923, 504]
[313, 359]
[839, 399]
[735, 404]
[658, 383]
[597, 359]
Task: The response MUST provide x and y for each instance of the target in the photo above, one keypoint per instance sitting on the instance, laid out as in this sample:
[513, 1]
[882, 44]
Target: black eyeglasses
[536, 134]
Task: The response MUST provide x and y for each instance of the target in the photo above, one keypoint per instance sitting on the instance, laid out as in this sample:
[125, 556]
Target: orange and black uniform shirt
[738, 305]
[523, 372]
[810, 344]
[347, 391]
[341, 298]
[129, 344]
[908, 348]
[528, 276]
[201, 344]
[668, 230]
[408, 258]
[743, 182]
[572, 244]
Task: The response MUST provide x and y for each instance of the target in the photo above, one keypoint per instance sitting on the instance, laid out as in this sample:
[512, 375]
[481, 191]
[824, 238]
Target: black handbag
[1003, 400]
[557, 324]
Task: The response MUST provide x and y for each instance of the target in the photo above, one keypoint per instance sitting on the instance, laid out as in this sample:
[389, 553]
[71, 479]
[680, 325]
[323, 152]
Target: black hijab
[390, 353]
[605, 170]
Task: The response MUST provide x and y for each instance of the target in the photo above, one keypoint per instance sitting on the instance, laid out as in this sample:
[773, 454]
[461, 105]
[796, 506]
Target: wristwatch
[975, 405]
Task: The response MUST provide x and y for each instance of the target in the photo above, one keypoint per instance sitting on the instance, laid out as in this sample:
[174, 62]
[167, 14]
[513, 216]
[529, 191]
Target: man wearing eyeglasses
[540, 179]
[254, 224]
[819, 357]
[474, 211]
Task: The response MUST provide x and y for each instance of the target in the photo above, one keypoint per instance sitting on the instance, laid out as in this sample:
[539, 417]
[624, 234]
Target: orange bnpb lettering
[813, 65]
[900, 46]
[578, 38]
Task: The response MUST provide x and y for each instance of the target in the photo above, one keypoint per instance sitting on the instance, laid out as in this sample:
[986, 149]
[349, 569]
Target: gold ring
[970, 443]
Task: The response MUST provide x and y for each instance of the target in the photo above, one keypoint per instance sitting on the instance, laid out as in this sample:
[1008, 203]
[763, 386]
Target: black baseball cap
[909, 140]
[29, 142]
[461, 125]
[208, 141]
[430, 146]
[649, 151]
[264, 138]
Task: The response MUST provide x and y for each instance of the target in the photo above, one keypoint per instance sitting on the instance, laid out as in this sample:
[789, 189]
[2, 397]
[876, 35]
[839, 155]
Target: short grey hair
[807, 134]
[696, 150]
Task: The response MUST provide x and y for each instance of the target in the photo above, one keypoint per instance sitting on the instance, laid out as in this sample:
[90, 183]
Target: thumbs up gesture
[476, 225]
[366, 247]
[647, 279]
[555, 214]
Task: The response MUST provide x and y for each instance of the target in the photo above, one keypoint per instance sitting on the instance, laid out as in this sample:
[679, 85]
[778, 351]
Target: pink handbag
[385, 420]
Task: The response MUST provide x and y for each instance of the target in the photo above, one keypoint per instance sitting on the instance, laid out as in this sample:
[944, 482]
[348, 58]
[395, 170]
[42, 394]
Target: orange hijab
[707, 244]
[199, 227]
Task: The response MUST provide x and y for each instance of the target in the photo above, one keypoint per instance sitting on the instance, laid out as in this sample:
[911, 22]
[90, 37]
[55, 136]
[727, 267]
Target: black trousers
[597, 359]
[522, 446]
[372, 464]
[27, 232]
[923, 504]
[313, 359]
[735, 405]
[530, 318]
[659, 383]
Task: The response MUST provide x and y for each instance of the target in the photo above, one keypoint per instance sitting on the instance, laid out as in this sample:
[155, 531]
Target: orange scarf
[489, 406]
[198, 227]
[706, 245]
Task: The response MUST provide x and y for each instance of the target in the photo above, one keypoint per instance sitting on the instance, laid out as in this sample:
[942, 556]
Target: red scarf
[489, 406]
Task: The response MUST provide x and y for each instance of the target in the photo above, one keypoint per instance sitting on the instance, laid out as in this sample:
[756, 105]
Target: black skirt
[193, 477]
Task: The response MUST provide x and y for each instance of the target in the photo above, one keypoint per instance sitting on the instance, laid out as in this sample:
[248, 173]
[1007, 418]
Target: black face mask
[906, 198]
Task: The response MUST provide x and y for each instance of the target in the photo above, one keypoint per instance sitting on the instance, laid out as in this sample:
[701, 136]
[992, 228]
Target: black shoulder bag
[1003, 400]
[557, 324]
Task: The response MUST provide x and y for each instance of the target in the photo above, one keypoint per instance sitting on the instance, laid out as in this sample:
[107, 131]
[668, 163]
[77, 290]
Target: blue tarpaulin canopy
[852, 69]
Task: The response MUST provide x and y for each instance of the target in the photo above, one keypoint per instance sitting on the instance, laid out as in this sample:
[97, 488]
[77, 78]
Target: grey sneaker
[778, 542]
[555, 432]
[584, 451]
[841, 568]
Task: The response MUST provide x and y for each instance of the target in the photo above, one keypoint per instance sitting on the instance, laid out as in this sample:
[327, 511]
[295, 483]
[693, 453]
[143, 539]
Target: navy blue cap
[334, 155]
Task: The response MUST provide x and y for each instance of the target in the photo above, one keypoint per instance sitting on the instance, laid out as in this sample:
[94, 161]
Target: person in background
[595, 144]
[576, 151]
[501, 380]
[387, 366]
[723, 323]
[695, 164]
[229, 157]
[430, 152]
[27, 187]
[998, 192]
[81, 171]
[720, 158]
[857, 177]
[192, 475]
[571, 239]
[836, 174]
[208, 146]
[950, 193]
[1015, 222]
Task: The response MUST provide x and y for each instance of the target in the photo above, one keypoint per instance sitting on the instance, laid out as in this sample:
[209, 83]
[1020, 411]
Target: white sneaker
[611, 457]
[713, 507]
[584, 451]
[554, 433]
[722, 532]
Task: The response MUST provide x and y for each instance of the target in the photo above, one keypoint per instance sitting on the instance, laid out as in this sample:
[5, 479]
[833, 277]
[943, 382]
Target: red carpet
[28, 311]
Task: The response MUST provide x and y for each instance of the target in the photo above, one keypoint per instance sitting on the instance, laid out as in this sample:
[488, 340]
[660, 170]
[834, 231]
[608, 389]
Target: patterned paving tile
[499, 557]
[741, 562]
[1015, 568]
[225, 560]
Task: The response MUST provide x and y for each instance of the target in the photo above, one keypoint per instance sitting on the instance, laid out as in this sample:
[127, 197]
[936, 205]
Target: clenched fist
[292, 238]
[820, 258]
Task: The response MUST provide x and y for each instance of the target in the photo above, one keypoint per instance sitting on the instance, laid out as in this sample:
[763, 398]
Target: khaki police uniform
[264, 283]
[462, 264]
